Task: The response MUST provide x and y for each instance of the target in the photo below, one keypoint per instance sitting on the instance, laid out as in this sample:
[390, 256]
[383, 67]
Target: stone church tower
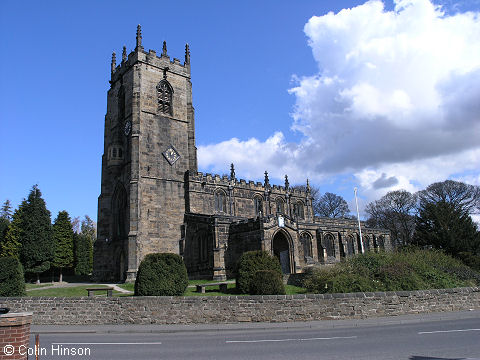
[149, 145]
[153, 199]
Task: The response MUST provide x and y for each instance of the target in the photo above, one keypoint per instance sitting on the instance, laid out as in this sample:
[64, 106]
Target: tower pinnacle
[187, 54]
[164, 49]
[232, 172]
[266, 181]
[139, 38]
[114, 62]
[124, 54]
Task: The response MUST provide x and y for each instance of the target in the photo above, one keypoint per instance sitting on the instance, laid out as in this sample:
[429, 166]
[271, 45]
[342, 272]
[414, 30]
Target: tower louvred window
[165, 92]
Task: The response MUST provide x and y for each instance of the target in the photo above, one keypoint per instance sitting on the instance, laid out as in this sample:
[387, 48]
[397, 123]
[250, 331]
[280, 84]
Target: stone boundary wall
[232, 309]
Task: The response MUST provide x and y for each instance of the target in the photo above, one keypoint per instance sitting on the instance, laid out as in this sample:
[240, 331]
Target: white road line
[446, 331]
[110, 343]
[282, 340]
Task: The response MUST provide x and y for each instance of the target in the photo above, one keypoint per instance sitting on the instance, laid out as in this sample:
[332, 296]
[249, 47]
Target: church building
[153, 199]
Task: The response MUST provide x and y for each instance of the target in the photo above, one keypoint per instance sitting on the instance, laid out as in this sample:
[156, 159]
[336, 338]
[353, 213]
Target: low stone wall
[231, 309]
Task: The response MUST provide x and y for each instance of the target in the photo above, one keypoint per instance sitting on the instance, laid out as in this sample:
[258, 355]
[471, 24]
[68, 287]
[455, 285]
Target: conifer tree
[443, 226]
[35, 235]
[84, 247]
[5, 219]
[63, 239]
[10, 246]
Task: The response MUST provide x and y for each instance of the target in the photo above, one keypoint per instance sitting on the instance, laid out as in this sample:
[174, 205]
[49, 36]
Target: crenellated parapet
[226, 181]
[215, 194]
[150, 58]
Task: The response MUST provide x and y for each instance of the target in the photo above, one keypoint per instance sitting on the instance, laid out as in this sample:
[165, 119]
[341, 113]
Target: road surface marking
[110, 343]
[282, 340]
[446, 331]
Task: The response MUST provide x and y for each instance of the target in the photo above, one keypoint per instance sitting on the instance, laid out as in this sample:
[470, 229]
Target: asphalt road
[425, 338]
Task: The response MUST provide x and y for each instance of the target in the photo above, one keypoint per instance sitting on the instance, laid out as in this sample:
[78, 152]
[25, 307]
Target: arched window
[220, 202]
[329, 243]
[258, 205]
[381, 242]
[350, 245]
[366, 243]
[280, 206]
[165, 92]
[306, 241]
[298, 210]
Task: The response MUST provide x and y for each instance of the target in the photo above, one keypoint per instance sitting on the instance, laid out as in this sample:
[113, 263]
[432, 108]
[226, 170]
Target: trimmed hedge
[250, 262]
[12, 282]
[267, 282]
[161, 275]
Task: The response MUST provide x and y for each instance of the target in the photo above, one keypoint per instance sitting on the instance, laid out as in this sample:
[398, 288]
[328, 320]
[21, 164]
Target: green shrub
[410, 269]
[12, 282]
[161, 275]
[470, 260]
[267, 282]
[339, 279]
[251, 262]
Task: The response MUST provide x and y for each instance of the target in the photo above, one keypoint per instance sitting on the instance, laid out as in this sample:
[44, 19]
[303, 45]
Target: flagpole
[358, 218]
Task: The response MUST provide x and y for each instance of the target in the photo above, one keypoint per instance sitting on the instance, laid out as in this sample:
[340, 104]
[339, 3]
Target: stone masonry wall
[231, 309]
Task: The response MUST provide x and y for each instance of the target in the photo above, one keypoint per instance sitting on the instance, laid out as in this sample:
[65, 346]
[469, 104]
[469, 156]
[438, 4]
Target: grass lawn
[29, 286]
[214, 291]
[294, 290]
[76, 291]
[71, 291]
[127, 286]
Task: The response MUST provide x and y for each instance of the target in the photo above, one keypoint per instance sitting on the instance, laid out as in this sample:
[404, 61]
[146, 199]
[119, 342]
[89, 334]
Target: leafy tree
[443, 225]
[35, 234]
[395, 211]
[332, 205]
[63, 238]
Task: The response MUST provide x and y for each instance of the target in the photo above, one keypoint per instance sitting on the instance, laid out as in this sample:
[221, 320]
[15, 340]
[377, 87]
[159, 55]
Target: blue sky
[261, 98]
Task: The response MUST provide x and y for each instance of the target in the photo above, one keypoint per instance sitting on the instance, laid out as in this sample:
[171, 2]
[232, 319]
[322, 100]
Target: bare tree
[314, 193]
[331, 205]
[76, 224]
[395, 211]
[463, 197]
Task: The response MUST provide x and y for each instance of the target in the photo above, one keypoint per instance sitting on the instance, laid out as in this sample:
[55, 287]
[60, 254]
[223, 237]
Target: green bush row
[395, 271]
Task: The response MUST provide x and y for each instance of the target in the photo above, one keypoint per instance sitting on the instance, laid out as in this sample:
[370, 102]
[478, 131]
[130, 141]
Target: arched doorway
[281, 250]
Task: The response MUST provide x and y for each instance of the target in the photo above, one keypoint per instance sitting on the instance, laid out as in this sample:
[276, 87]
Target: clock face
[171, 155]
[127, 128]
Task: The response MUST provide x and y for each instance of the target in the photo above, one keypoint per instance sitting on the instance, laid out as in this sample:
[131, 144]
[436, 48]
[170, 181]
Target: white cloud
[396, 101]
